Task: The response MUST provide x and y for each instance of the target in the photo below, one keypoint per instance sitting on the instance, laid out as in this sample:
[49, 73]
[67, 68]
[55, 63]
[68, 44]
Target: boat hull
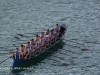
[21, 62]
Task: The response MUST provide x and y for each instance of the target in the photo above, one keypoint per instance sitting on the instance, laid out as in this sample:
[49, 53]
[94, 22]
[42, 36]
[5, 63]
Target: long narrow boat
[19, 62]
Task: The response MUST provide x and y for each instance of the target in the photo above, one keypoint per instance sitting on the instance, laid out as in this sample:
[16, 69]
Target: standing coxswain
[57, 29]
[17, 54]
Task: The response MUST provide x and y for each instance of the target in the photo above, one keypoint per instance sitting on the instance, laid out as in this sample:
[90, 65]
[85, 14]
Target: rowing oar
[7, 52]
[82, 45]
[5, 60]
[73, 42]
[53, 51]
[48, 58]
[63, 63]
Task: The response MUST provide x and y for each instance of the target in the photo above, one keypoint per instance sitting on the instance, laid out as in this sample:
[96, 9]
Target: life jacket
[17, 55]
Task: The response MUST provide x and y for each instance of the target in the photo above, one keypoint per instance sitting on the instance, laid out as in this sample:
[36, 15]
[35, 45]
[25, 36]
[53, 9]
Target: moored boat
[19, 62]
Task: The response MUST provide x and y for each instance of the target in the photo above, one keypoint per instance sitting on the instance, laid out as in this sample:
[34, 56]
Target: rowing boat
[20, 62]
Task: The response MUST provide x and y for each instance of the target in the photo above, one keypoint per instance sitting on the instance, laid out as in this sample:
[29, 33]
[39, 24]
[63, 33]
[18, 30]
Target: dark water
[30, 17]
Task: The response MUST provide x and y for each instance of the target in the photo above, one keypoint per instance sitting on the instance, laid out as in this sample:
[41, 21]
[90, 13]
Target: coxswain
[57, 29]
[17, 54]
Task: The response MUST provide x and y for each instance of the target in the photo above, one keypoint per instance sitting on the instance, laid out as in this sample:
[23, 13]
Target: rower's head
[28, 42]
[22, 46]
[56, 25]
[42, 33]
[47, 30]
[32, 39]
[36, 35]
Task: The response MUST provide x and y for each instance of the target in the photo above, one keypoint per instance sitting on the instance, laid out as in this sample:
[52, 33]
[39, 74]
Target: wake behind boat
[41, 45]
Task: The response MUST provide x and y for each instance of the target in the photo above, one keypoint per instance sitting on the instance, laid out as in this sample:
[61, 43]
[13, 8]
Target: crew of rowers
[38, 45]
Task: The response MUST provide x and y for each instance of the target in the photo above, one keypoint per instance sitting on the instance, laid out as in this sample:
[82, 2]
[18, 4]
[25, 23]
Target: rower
[22, 50]
[28, 46]
[47, 32]
[29, 54]
[36, 48]
[55, 35]
[17, 54]
[32, 42]
[42, 35]
[36, 38]
[42, 44]
[50, 38]
[46, 41]
[57, 29]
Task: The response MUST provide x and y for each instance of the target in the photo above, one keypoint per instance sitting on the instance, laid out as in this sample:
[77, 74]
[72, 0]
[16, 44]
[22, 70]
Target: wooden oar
[5, 60]
[53, 55]
[63, 63]
[73, 42]
[82, 45]
[47, 58]
[7, 52]
[73, 45]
